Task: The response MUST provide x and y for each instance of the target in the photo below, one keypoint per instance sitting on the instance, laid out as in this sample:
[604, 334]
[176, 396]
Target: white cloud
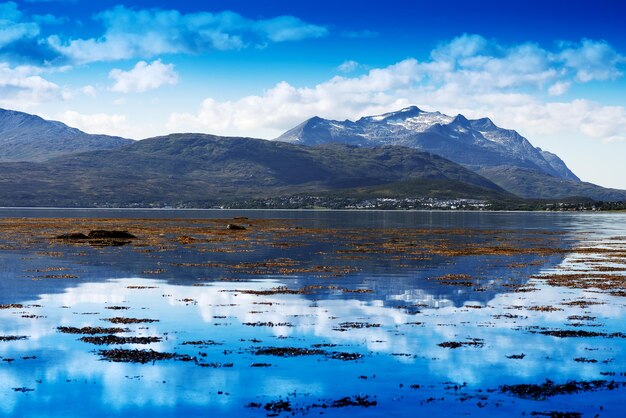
[89, 90]
[469, 75]
[289, 28]
[592, 119]
[348, 66]
[592, 60]
[479, 60]
[97, 123]
[284, 105]
[461, 47]
[559, 88]
[12, 25]
[143, 77]
[131, 33]
[23, 87]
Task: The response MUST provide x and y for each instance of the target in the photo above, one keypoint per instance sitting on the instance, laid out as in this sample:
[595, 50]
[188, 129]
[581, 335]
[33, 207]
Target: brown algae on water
[274, 296]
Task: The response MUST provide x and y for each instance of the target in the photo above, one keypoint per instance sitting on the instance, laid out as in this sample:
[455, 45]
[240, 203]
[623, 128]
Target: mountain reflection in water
[393, 321]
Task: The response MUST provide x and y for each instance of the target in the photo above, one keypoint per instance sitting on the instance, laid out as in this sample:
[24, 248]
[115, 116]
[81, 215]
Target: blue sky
[549, 69]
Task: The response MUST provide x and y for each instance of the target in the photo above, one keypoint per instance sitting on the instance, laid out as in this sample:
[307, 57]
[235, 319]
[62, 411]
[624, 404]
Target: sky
[552, 70]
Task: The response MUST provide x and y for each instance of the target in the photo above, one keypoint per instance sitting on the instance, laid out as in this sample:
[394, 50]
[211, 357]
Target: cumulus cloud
[559, 88]
[478, 59]
[348, 66]
[288, 28]
[97, 123]
[89, 90]
[285, 105]
[13, 26]
[23, 87]
[478, 63]
[592, 60]
[143, 77]
[470, 75]
[594, 120]
[461, 47]
[146, 33]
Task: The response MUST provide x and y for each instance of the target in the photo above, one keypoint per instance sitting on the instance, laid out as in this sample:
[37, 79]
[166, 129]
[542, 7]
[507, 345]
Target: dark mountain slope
[502, 156]
[529, 184]
[198, 168]
[25, 137]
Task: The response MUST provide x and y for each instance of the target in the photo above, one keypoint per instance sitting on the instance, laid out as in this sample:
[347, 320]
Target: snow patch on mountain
[477, 143]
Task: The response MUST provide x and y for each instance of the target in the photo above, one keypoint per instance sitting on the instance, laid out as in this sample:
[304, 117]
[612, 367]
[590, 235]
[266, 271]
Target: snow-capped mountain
[476, 144]
[26, 137]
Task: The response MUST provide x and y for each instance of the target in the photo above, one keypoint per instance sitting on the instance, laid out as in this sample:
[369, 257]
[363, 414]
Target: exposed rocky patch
[91, 330]
[117, 340]
[549, 388]
[120, 355]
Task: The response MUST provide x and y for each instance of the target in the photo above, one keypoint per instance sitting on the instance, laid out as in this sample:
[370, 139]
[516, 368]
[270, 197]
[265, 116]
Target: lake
[340, 313]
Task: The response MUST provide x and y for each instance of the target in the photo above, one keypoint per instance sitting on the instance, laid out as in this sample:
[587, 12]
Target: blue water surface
[373, 325]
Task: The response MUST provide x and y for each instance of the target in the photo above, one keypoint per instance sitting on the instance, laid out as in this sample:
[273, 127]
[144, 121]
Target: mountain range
[500, 155]
[475, 144]
[409, 153]
[204, 170]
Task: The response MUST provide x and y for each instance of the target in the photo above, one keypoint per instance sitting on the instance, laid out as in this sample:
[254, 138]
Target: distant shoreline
[151, 209]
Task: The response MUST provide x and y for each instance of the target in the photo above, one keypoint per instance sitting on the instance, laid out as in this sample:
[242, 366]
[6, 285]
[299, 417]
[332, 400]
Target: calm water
[374, 300]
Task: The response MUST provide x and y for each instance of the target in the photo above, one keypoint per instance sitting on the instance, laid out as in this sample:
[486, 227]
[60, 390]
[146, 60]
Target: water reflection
[395, 346]
[401, 265]
[397, 326]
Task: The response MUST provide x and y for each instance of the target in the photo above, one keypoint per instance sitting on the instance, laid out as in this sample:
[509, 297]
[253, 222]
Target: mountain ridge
[182, 167]
[206, 169]
[476, 144]
[26, 137]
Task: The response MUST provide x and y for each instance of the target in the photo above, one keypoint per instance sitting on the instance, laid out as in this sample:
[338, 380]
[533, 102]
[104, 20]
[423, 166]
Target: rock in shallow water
[101, 233]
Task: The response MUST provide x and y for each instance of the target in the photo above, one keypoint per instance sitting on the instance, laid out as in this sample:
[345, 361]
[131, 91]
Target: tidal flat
[305, 313]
